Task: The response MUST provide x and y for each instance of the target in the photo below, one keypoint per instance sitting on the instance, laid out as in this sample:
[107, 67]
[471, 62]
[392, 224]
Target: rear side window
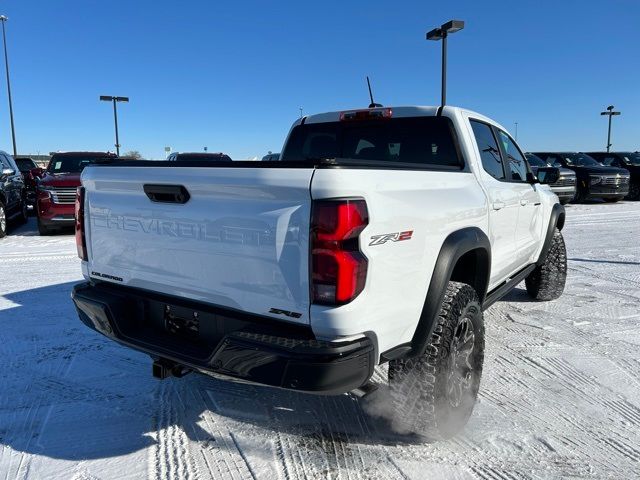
[488, 147]
[427, 141]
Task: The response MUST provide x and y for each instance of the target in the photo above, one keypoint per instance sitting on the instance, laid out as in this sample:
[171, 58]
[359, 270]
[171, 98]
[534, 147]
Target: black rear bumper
[223, 341]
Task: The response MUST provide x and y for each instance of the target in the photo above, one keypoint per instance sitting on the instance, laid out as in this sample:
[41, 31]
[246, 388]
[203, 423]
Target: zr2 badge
[390, 237]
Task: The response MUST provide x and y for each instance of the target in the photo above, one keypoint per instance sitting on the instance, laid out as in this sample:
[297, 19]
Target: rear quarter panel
[432, 204]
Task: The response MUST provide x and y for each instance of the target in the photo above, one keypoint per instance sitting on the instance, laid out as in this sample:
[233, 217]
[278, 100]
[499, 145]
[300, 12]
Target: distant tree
[135, 154]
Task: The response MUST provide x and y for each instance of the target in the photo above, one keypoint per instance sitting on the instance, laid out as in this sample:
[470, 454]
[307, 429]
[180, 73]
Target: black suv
[13, 197]
[31, 173]
[594, 180]
[629, 161]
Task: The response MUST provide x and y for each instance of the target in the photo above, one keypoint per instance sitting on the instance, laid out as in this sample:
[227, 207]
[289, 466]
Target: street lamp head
[610, 107]
[109, 98]
[3, 18]
[435, 34]
[452, 26]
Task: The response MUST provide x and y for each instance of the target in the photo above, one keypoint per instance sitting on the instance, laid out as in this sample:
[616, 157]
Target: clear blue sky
[231, 75]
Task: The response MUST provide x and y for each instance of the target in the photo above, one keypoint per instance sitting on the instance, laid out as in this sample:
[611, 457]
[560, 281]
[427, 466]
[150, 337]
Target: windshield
[414, 140]
[71, 163]
[580, 160]
[631, 158]
[25, 164]
[534, 160]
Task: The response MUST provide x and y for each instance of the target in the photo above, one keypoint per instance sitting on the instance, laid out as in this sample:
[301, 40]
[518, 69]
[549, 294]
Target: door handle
[498, 205]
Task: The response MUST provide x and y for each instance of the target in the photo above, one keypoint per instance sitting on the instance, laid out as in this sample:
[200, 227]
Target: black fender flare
[454, 246]
[555, 220]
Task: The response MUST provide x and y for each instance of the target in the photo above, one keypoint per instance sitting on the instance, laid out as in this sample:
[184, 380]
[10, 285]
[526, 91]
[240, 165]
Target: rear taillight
[338, 267]
[81, 243]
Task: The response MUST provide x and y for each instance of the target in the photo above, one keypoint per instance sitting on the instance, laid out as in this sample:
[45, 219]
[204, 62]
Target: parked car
[56, 193]
[373, 240]
[13, 194]
[565, 187]
[629, 161]
[199, 157]
[594, 180]
[31, 173]
[270, 157]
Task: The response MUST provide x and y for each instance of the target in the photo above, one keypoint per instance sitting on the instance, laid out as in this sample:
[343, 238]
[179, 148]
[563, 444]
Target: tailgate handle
[167, 193]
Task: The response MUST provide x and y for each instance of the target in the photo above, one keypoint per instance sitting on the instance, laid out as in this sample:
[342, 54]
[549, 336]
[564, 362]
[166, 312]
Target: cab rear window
[414, 141]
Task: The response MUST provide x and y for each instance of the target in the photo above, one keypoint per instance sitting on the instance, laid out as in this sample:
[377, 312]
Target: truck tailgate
[240, 241]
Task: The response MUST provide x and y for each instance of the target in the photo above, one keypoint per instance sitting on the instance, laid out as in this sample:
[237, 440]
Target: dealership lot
[559, 397]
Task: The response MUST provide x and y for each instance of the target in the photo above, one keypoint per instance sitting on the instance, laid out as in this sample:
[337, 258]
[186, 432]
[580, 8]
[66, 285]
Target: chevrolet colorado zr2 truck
[379, 236]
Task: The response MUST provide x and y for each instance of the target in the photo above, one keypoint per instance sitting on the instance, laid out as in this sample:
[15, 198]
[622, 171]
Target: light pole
[441, 33]
[300, 108]
[610, 113]
[3, 19]
[516, 131]
[108, 98]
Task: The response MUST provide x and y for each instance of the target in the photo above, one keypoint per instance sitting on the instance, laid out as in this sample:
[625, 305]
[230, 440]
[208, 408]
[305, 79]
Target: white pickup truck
[380, 236]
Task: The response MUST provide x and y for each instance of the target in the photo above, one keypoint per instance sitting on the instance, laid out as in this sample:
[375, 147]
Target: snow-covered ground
[560, 395]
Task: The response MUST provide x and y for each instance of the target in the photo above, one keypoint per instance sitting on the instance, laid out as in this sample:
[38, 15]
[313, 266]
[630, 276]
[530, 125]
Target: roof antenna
[372, 104]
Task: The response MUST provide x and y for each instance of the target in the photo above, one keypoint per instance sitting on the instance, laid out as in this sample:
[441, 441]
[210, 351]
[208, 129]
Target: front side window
[24, 164]
[427, 141]
[515, 160]
[488, 148]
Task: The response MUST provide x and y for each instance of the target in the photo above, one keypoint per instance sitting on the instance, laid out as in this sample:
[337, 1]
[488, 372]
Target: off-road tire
[547, 280]
[421, 386]
[3, 220]
[634, 191]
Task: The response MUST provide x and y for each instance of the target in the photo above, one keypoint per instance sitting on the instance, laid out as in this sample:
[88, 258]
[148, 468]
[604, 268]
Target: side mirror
[548, 175]
[531, 178]
[7, 172]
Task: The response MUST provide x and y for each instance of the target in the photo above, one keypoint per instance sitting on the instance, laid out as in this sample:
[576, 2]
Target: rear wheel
[546, 281]
[3, 220]
[434, 394]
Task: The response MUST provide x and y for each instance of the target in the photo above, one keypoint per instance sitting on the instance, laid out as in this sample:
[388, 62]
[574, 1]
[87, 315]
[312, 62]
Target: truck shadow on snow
[70, 393]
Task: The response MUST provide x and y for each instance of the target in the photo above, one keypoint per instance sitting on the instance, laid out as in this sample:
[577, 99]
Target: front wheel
[634, 191]
[581, 195]
[43, 230]
[434, 394]
[547, 280]
[3, 221]
[24, 212]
